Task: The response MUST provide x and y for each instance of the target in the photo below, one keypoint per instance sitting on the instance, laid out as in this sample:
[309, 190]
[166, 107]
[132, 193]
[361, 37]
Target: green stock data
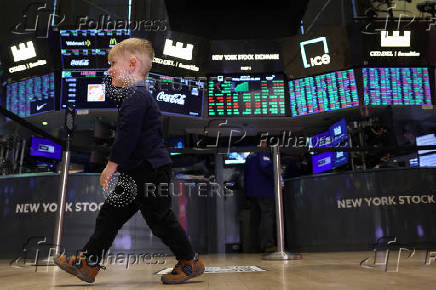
[246, 96]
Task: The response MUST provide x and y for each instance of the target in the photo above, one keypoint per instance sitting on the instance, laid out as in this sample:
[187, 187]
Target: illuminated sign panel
[321, 51]
[236, 56]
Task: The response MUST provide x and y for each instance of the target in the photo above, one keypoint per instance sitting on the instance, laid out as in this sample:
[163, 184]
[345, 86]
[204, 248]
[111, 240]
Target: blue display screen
[336, 136]
[322, 93]
[338, 132]
[322, 162]
[45, 148]
[396, 86]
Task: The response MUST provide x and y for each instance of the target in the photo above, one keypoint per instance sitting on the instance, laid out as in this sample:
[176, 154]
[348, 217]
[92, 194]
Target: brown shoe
[78, 266]
[183, 271]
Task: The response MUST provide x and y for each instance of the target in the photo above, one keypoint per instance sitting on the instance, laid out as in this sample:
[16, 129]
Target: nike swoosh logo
[40, 107]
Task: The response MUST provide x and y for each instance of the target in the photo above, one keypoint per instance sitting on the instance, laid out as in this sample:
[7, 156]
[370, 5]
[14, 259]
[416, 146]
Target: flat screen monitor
[246, 96]
[85, 90]
[338, 132]
[339, 137]
[340, 159]
[322, 162]
[88, 49]
[425, 140]
[32, 96]
[234, 158]
[427, 160]
[177, 95]
[45, 148]
[322, 93]
[396, 86]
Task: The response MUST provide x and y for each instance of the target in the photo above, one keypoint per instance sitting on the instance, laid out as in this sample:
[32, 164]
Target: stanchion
[281, 254]
[70, 116]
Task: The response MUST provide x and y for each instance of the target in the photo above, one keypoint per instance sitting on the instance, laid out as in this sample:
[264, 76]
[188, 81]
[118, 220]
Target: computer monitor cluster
[336, 136]
[232, 96]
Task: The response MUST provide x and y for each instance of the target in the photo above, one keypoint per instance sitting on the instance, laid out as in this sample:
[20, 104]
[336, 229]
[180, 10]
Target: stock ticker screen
[177, 95]
[88, 49]
[32, 96]
[85, 90]
[246, 96]
[397, 86]
[326, 92]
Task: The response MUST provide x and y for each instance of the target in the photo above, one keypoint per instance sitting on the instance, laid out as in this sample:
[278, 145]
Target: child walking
[139, 153]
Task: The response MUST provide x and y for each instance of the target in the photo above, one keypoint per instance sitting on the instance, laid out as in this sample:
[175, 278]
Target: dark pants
[265, 229]
[156, 210]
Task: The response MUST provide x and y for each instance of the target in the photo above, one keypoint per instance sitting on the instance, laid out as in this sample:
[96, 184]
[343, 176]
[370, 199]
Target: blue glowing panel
[338, 132]
[322, 93]
[45, 148]
[32, 96]
[322, 162]
[396, 86]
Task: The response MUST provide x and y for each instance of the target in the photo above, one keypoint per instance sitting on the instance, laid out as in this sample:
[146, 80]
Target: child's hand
[107, 173]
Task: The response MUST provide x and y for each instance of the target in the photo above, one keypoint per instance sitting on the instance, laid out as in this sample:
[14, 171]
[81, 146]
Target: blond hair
[138, 47]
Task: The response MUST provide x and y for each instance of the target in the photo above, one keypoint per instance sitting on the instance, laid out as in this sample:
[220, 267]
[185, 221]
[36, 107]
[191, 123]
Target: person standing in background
[259, 188]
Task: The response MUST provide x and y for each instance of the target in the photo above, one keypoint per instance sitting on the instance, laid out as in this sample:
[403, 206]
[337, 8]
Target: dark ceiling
[236, 19]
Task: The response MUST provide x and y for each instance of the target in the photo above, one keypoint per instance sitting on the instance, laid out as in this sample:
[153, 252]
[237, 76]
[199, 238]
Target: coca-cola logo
[178, 99]
[79, 62]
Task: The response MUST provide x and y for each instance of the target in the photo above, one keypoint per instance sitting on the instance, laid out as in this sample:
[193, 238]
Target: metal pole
[23, 148]
[281, 254]
[62, 197]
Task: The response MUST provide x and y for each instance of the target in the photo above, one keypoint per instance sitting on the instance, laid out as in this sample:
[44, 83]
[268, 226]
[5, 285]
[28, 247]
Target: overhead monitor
[396, 86]
[246, 96]
[31, 96]
[177, 95]
[85, 90]
[88, 49]
[322, 93]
